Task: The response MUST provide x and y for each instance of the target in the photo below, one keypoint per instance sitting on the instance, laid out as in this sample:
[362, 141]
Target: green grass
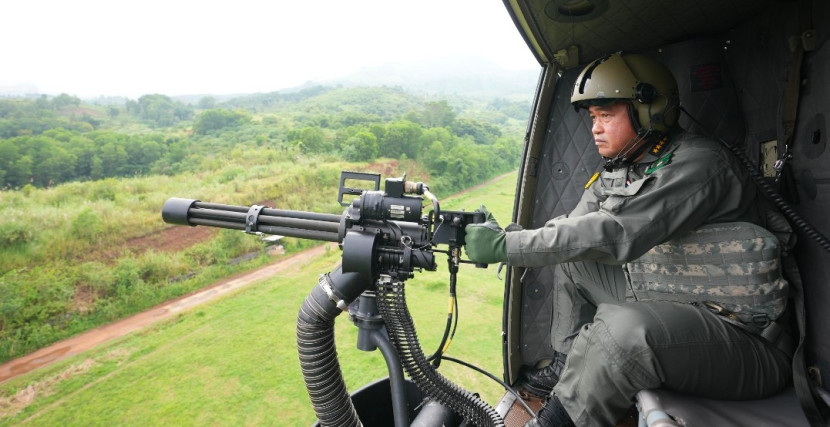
[75, 239]
[234, 362]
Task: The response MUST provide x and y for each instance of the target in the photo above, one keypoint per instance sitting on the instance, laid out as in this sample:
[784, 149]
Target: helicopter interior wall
[733, 85]
[760, 54]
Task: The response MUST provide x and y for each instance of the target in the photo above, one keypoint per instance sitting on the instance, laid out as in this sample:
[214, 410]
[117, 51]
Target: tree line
[44, 142]
[60, 155]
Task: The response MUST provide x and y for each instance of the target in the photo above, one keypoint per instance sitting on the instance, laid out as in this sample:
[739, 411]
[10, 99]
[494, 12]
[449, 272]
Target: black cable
[449, 327]
[769, 191]
[438, 356]
[494, 378]
[455, 322]
[449, 334]
[393, 308]
[452, 315]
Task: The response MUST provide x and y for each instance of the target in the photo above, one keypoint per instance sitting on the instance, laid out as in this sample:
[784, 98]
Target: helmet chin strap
[635, 147]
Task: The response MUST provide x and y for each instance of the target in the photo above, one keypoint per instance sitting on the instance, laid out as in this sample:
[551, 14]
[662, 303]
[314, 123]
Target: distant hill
[384, 102]
[19, 90]
[464, 77]
[468, 77]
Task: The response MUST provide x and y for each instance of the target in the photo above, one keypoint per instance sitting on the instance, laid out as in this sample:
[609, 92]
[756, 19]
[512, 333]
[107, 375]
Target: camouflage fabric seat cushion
[735, 265]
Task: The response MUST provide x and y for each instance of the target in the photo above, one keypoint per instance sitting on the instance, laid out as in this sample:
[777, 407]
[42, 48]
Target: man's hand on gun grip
[485, 241]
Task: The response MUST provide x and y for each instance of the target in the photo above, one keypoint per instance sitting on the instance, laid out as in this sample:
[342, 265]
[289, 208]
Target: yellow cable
[451, 312]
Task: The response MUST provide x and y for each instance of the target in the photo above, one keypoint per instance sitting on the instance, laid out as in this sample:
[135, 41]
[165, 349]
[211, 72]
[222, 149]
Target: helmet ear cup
[645, 93]
[634, 117]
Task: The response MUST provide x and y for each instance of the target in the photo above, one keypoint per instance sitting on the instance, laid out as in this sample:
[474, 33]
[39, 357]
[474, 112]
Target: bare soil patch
[387, 169]
[13, 404]
[171, 239]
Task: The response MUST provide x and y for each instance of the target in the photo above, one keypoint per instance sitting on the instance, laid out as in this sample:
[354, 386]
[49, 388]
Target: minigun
[385, 238]
[380, 232]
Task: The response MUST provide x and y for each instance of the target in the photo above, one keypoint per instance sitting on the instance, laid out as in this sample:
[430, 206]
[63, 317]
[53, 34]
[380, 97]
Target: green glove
[485, 241]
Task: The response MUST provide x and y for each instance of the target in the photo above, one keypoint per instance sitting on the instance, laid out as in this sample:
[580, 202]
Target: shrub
[127, 276]
[87, 226]
[14, 234]
[156, 268]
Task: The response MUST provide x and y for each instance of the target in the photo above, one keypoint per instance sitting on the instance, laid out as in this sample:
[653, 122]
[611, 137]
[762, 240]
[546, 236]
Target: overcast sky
[90, 47]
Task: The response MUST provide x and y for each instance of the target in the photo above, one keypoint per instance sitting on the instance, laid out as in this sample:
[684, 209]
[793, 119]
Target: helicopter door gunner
[640, 300]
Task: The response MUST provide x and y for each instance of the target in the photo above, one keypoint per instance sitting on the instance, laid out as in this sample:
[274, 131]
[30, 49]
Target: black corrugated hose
[321, 369]
[318, 359]
[401, 329]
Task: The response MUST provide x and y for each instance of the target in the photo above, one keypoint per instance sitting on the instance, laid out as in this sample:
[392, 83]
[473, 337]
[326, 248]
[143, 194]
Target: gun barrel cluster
[299, 224]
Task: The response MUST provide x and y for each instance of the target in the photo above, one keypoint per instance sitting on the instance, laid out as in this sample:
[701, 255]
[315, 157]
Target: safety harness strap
[813, 405]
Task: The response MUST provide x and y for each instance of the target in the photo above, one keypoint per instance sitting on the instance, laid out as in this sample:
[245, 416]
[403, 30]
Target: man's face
[611, 128]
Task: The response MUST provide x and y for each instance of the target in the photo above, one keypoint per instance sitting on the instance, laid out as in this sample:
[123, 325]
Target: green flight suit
[617, 348]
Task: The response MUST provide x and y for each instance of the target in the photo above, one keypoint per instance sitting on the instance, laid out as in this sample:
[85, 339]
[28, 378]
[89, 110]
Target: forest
[81, 186]
[48, 141]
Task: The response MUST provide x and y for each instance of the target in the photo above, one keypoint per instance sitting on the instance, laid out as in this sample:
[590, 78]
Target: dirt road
[100, 335]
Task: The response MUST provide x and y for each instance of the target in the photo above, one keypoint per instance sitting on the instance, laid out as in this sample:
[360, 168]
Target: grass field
[234, 362]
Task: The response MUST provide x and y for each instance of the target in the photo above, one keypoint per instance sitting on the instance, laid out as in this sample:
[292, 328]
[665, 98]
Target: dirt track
[100, 335]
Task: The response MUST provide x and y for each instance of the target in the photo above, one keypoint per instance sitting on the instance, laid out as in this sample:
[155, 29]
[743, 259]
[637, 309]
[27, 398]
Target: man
[633, 311]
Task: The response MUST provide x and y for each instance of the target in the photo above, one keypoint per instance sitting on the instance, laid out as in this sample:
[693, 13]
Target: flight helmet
[648, 85]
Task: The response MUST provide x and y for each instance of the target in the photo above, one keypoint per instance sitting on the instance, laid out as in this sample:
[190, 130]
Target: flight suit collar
[658, 156]
[664, 146]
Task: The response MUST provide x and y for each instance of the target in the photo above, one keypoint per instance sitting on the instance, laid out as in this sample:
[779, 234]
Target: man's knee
[628, 327]
[609, 363]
